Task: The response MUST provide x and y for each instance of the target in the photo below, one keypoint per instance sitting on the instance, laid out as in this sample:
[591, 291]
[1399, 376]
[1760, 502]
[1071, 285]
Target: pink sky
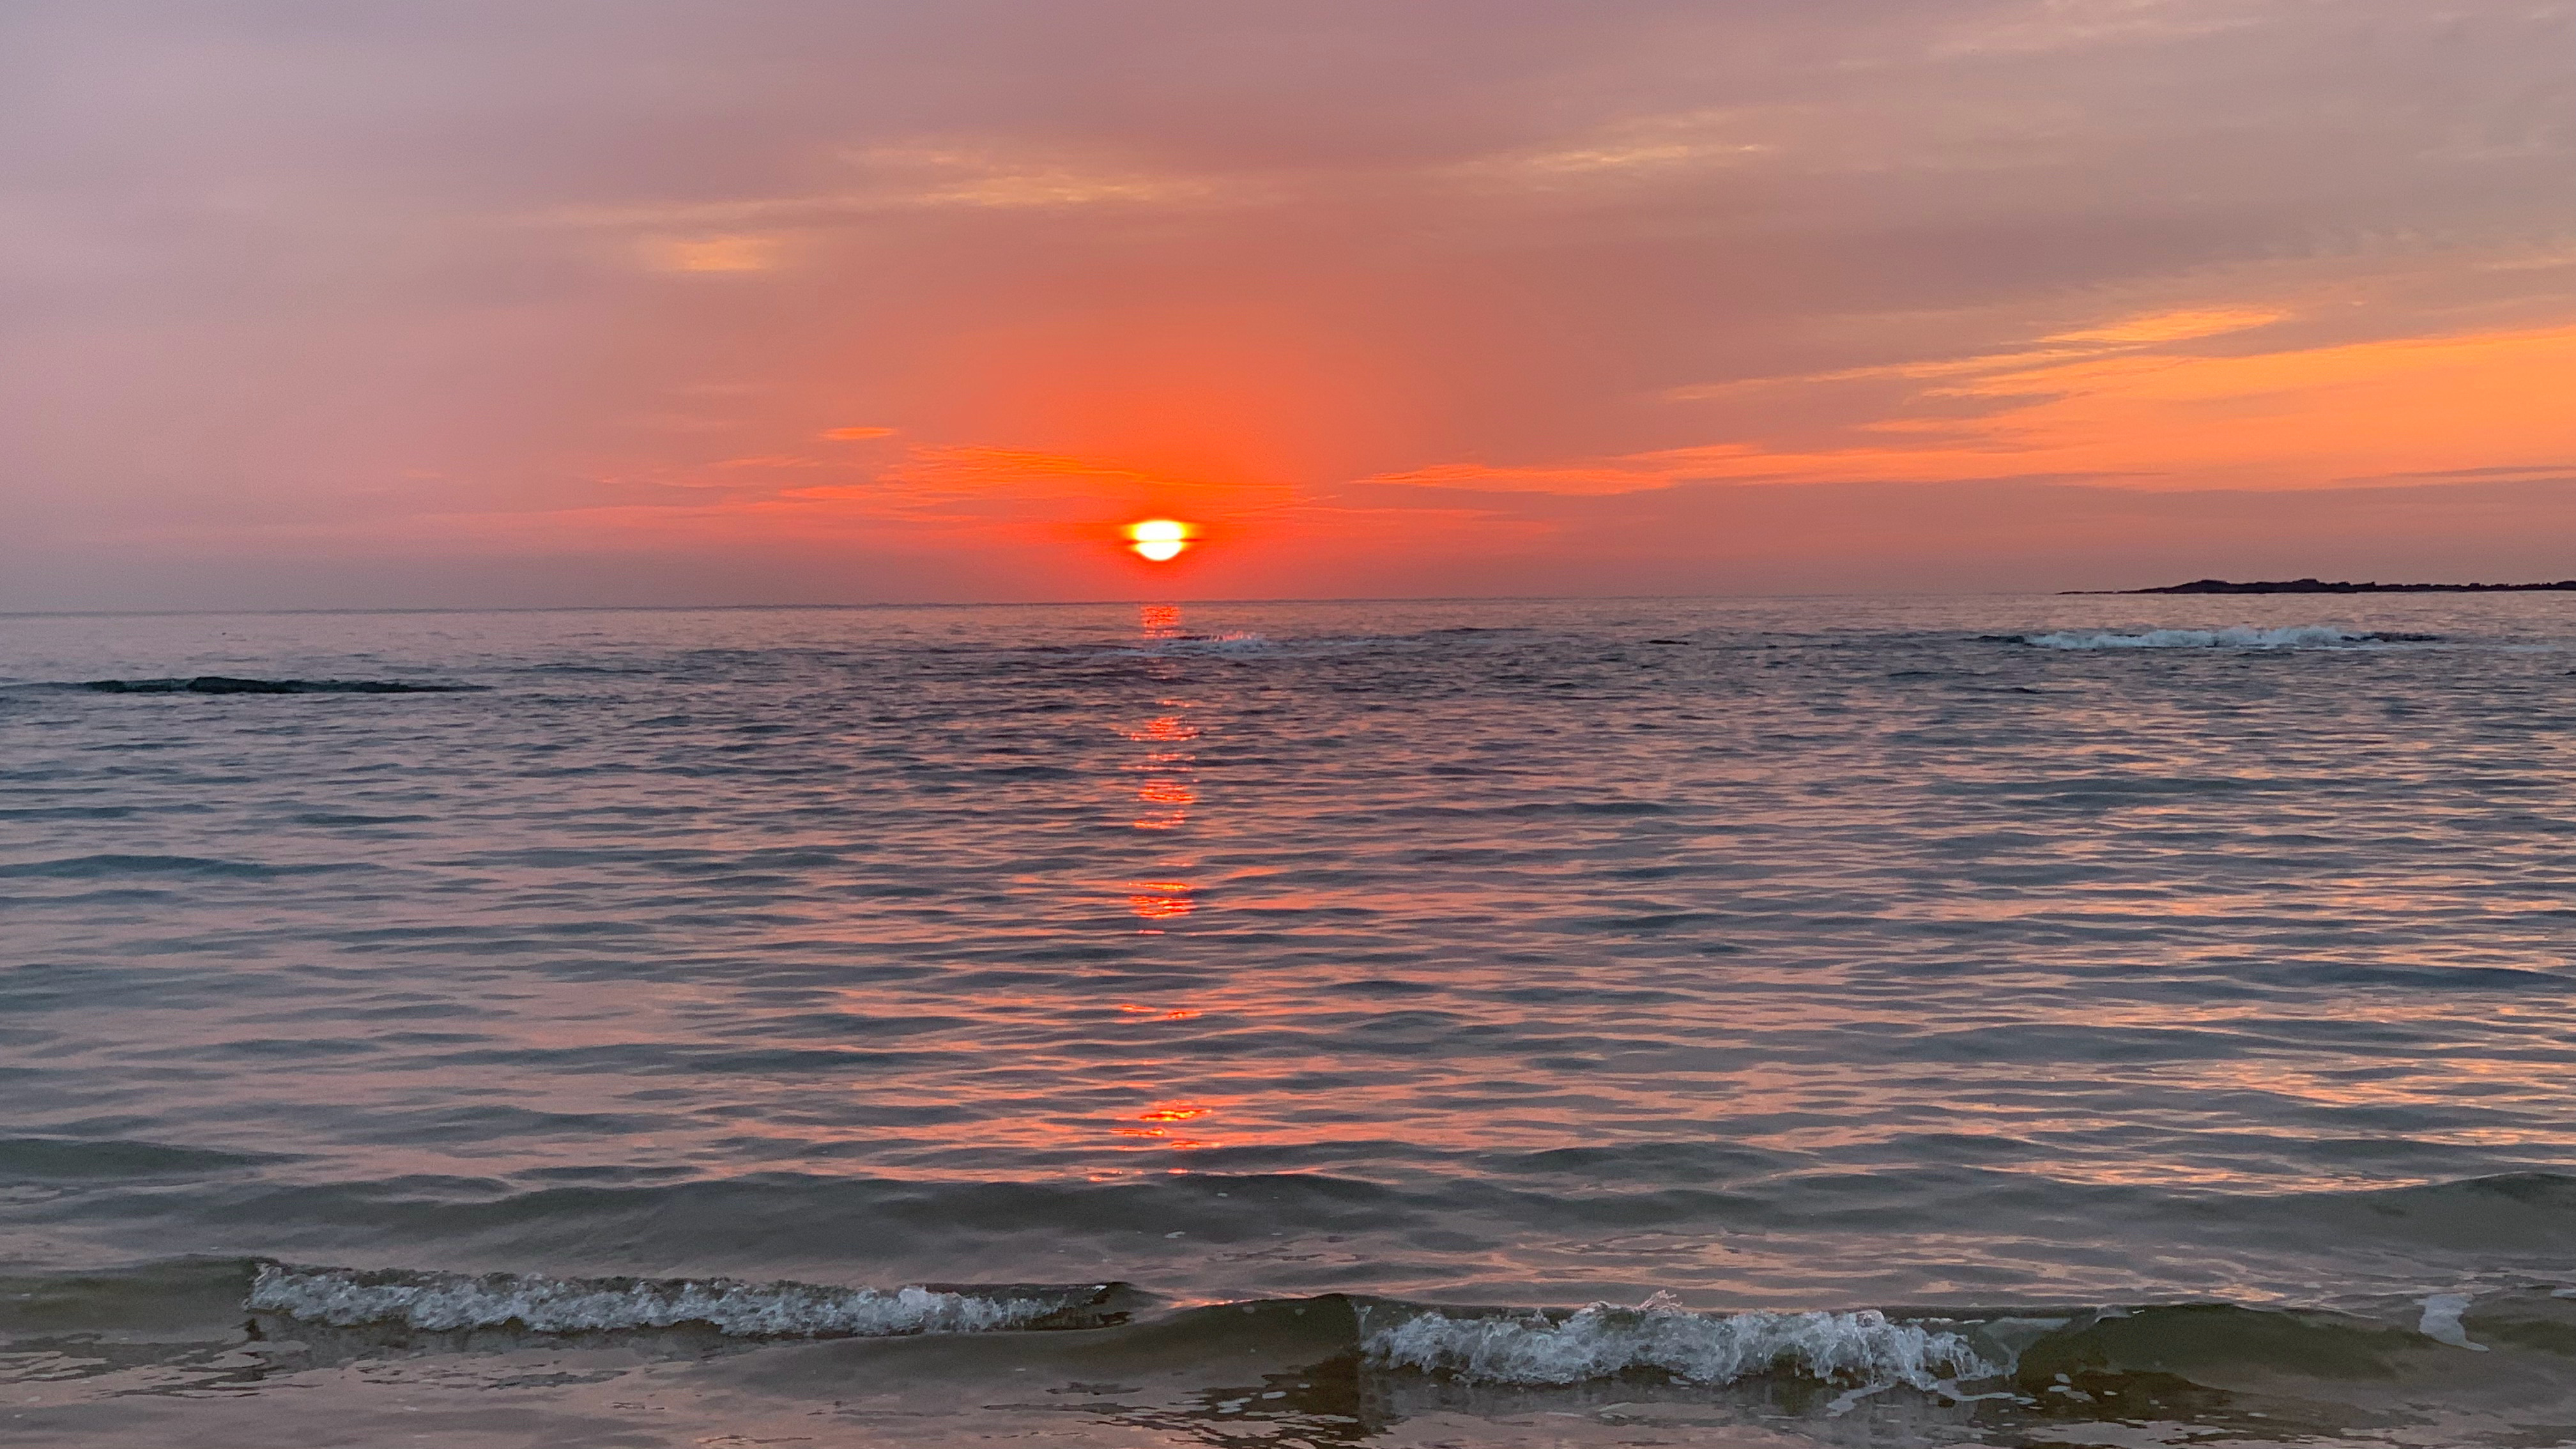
[620, 301]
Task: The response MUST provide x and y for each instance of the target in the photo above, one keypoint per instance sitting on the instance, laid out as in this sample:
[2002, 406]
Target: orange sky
[384, 304]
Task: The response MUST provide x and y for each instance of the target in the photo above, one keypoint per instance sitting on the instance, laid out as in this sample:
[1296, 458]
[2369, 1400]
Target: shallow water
[1314, 980]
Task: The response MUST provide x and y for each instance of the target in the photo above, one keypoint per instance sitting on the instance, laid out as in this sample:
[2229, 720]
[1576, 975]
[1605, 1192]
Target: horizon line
[1022, 604]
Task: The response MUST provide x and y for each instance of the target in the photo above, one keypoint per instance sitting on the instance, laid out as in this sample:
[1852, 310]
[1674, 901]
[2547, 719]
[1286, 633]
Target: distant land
[2320, 586]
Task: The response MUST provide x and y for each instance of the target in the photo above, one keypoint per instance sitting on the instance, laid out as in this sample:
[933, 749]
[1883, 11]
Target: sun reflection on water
[1162, 895]
[1161, 900]
[1161, 1118]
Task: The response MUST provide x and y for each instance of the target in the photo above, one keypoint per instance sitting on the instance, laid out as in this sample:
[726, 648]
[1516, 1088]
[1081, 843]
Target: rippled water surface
[1769, 964]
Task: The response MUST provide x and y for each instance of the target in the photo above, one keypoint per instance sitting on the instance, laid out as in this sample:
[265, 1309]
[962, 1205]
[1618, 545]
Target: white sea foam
[2303, 636]
[348, 1298]
[2441, 1321]
[1865, 1348]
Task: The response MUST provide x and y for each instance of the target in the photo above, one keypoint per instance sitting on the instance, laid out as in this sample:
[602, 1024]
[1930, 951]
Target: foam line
[344, 1297]
[1865, 1348]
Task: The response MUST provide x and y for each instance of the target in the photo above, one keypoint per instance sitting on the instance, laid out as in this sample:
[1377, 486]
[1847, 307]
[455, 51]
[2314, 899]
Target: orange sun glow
[1158, 539]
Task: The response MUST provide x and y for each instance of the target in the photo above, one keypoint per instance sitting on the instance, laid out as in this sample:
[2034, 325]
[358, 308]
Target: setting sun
[1158, 539]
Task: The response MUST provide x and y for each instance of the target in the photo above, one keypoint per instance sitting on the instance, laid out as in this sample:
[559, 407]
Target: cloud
[926, 175]
[2062, 25]
[711, 254]
[2181, 326]
[768, 460]
[854, 435]
[1640, 148]
[1614, 475]
[2532, 472]
[2144, 414]
[999, 175]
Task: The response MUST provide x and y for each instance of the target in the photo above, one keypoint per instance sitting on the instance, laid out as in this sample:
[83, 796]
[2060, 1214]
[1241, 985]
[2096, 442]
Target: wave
[2497, 1355]
[1865, 1349]
[535, 1303]
[2302, 636]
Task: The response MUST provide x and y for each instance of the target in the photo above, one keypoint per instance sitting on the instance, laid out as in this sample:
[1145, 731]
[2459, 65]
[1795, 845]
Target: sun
[1159, 539]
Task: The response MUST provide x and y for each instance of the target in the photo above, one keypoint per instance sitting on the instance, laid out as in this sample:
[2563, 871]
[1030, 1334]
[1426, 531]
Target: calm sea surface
[1767, 1022]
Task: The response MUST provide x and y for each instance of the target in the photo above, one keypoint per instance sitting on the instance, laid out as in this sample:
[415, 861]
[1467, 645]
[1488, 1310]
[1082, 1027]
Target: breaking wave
[2304, 636]
[1866, 1348]
[1301, 1363]
[438, 1302]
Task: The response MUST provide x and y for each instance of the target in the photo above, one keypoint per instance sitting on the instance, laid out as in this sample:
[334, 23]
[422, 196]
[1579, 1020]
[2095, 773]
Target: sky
[377, 303]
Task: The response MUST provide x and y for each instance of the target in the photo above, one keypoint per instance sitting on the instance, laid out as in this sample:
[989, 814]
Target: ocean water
[2080, 1020]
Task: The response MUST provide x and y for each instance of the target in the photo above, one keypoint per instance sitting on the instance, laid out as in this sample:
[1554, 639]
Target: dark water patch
[784, 1213]
[600, 1176]
[226, 684]
[59, 985]
[2521, 1213]
[768, 867]
[74, 812]
[1678, 1162]
[101, 867]
[270, 1049]
[1641, 922]
[93, 898]
[66, 1159]
[855, 1027]
[2075, 1043]
[470, 1124]
[1021, 772]
[562, 857]
[185, 1297]
[1534, 809]
[636, 1058]
[2446, 979]
[801, 1062]
[2087, 788]
[2174, 1340]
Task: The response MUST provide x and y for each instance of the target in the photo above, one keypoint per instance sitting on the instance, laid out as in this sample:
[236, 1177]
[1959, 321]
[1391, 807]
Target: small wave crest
[1865, 1348]
[1202, 644]
[441, 1302]
[2303, 636]
[2442, 1321]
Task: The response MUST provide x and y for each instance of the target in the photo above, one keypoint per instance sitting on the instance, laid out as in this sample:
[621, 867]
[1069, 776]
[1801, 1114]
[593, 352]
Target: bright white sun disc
[1159, 539]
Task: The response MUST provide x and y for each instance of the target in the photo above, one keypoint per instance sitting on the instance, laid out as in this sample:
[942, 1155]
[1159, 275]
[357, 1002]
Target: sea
[2015, 1020]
